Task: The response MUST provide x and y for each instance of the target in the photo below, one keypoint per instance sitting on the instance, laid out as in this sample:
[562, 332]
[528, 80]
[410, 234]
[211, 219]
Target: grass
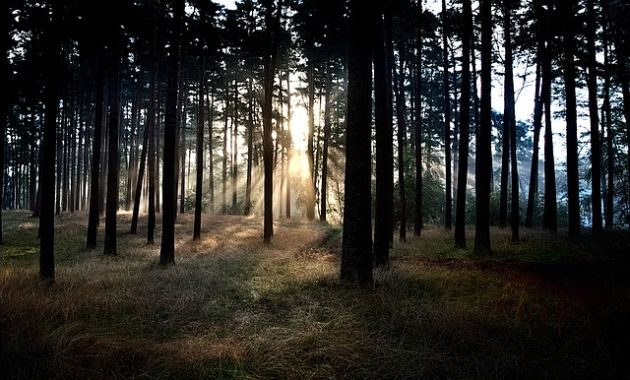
[234, 308]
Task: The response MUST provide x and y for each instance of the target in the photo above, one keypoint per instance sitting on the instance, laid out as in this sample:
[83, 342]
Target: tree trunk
[357, 258]
[235, 147]
[113, 164]
[383, 220]
[447, 123]
[47, 182]
[151, 126]
[483, 168]
[289, 148]
[310, 186]
[464, 126]
[401, 114]
[417, 226]
[510, 119]
[199, 151]
[327, 127]
[250, 146]
[550, 211]
[167, 248]
[96, 154]
[567, 8]
[532, 199]
[4, 106]
[596, 154]
[269, 73]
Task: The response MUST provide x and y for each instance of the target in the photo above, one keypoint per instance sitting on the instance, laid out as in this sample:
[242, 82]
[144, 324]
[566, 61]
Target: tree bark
[567, 8]
[483, 168]
[113, 165]
[167, 248]
[384, 205]
[464, 126]
[357, 258]
[47, 182]
[447, 123]
[418, 224]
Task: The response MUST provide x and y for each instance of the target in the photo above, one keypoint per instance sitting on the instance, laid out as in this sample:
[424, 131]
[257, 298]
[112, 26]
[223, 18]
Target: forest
[348, 189]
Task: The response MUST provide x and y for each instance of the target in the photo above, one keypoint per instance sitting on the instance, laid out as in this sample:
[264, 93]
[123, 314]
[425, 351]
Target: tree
[47, 182]
[567, 8]
[417, 225]
[113, 163]
[97, 139]
[447, 122]
[269, 73]
[509, 118]
[4, 77]
[357, 256]
[200, 129]
[464, 125]
[596, 198]
[167, 248]
[484, 151]
[550, 209]
[384, 141]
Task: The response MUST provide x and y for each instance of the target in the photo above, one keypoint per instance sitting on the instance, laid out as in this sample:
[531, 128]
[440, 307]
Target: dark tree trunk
[550, 210]
[357, 258]
[269, 72]
[327, 127]
[250, 146]
[567, 8]
[310, 186]
[483, 168]
[47, 182]
[418, 224]
[235, 147]
[97, 139]
[384, 142]
[401, 114]
[464, 126]
[532, 199]
[167, 248]
[226, 121]
[113, 164]
[151, 126]
[447, 123]
[138, 190]
[4, 106]
[596, 153]
[199, 152]
[289, 149]
[510, 119]
[211, 151]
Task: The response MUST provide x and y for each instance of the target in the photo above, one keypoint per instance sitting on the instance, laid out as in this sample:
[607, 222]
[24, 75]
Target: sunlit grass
[232, 307]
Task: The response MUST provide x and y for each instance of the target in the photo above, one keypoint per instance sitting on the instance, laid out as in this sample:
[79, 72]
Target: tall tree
[464, 126]
[383, 217]
[151, 125]
[167, 248]
[200, 128]
[357, 258]
[417, 225]
[509, 117]
[484, 150]
[401, 121]
[596, 152]
[47, 182]
[568, 9]
[550, 209]
[113, 162]
[269, 73]
[4, 78]
[447, 121]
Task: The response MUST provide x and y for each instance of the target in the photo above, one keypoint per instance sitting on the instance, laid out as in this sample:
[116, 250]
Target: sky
[228, 3]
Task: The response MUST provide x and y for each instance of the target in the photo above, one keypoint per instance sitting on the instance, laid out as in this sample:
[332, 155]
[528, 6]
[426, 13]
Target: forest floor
[231, 307]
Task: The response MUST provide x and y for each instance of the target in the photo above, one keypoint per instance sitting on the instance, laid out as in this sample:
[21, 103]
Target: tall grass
[234, 308]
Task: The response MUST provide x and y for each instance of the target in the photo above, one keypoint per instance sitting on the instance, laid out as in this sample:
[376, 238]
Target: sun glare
[299, 128]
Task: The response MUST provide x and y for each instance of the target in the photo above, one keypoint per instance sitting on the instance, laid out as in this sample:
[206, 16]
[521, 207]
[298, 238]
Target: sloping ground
[234, 308]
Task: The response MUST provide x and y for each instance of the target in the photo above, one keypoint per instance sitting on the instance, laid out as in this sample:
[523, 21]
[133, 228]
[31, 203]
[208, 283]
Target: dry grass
[234, 308]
